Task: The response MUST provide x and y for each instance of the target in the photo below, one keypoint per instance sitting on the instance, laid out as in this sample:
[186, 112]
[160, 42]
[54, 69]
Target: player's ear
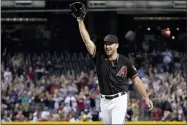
[117, 45]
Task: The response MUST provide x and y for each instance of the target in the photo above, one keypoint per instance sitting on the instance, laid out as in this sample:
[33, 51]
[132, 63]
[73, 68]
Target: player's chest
[114, 68]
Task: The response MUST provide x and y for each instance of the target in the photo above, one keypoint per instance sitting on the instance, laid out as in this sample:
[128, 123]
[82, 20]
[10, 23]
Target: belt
[113, 96]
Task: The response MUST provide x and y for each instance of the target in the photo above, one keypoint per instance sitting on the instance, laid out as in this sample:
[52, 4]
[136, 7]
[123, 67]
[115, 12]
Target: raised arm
[86, 37]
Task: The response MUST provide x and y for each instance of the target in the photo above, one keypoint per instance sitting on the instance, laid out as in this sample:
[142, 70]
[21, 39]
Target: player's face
[110, 49]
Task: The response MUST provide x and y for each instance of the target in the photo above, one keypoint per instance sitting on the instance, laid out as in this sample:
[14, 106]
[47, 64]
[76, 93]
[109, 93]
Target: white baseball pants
[113, 111]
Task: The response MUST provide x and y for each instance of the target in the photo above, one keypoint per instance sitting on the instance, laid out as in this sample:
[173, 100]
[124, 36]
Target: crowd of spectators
[164, 77]
[64, 87]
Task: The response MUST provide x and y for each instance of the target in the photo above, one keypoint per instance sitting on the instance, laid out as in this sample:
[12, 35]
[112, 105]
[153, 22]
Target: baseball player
[113, 71]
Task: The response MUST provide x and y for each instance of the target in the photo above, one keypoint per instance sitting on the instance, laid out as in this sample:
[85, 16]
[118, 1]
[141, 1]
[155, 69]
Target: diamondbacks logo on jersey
[122, 72]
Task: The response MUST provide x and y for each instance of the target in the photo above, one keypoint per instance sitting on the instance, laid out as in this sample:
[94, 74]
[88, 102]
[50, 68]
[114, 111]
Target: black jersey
[113, 75]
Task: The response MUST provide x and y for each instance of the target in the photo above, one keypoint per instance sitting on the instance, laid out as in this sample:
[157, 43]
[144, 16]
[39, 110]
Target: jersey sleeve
[131, 70]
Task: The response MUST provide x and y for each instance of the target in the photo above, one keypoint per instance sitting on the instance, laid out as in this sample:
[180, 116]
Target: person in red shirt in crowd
[30, 73]
[156, 114]
[80, 104]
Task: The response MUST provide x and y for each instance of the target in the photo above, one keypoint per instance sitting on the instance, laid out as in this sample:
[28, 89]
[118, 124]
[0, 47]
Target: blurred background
[48, 75]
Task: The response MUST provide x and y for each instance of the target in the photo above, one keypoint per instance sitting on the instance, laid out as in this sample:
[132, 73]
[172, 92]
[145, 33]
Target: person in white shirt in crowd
[7, 75]
[35, 117]
[57, 99]
[71, 101]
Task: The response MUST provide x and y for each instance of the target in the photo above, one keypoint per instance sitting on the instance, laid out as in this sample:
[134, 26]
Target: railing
[88, 123]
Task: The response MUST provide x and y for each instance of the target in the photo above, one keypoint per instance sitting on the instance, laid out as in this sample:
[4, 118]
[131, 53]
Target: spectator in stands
[166, 108]
[7, 76]
[135, 109]
[129, 112]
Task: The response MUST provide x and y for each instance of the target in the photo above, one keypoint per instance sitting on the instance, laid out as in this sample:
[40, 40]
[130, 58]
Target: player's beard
[109, 52]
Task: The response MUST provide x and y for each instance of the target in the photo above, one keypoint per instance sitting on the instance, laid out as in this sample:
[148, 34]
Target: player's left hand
[78, 10]
[149, 103]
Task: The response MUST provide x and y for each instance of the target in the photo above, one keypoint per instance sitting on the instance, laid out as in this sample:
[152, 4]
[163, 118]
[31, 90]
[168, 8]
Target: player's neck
[114, 56]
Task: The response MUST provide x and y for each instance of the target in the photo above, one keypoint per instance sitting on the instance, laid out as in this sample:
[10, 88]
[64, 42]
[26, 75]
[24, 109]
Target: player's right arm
[86, 37]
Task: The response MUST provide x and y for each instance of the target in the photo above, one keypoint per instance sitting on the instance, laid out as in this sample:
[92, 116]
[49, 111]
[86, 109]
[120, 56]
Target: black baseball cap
[110, 39]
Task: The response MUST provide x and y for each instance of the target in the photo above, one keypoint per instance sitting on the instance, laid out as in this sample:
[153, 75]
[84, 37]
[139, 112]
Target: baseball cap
[110, 39]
